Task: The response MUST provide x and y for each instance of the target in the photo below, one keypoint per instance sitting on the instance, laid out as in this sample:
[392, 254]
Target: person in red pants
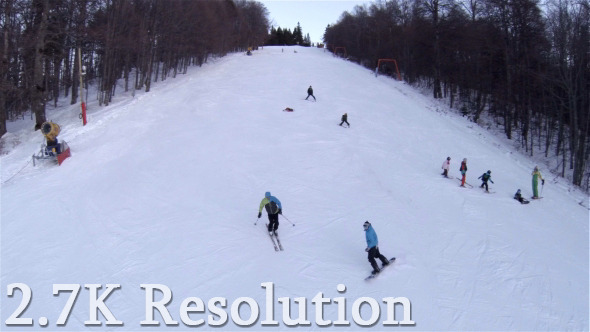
[463, 170]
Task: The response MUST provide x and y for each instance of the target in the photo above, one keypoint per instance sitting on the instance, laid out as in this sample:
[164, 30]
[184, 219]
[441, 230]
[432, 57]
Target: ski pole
[288, 220]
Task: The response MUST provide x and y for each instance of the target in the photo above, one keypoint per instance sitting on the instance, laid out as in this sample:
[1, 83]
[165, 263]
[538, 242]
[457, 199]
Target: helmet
[448, 158]
[366, 225]
[489, 172]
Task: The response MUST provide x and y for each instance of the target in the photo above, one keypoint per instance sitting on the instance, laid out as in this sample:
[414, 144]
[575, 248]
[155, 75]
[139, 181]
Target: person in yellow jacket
[536, 177]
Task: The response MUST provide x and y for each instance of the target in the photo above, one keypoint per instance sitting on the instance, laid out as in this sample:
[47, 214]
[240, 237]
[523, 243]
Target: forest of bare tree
[523, 63]
[129, 43]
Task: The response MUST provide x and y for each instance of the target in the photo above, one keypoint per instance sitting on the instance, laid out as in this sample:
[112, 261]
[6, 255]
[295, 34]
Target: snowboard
[372, 276]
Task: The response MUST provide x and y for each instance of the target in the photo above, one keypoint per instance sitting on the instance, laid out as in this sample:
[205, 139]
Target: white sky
[312, 15]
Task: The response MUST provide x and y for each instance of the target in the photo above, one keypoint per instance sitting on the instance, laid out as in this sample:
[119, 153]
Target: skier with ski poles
[372, 248]
[485, 177]
[536, 177]
[273, 208]
[463, 170]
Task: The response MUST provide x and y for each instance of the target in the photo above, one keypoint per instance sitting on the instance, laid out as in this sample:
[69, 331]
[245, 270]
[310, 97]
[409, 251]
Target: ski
[272, 239]
[273, 242]
[470, 186]
[279, 242]
[372, 276]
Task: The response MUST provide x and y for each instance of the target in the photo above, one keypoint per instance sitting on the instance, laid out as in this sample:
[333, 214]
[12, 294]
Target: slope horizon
[164, 188]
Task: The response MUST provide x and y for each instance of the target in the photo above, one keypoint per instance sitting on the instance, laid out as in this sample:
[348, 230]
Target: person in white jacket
[445, 166]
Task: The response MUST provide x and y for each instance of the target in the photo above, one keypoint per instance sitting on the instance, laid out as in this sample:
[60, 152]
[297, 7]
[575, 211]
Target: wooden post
[82, 103]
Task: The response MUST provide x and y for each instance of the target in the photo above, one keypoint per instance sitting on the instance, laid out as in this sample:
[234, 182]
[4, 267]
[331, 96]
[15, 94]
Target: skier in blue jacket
[273, 208]
[373, 248]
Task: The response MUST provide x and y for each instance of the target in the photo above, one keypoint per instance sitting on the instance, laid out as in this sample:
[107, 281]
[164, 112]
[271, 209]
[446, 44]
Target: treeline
[528, 68]
[282, 37]
[137, 41]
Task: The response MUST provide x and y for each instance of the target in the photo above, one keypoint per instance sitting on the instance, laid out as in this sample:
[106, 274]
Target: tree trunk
[38, 87]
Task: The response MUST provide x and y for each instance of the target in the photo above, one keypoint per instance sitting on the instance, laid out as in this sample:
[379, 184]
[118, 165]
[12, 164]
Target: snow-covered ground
[163, 189]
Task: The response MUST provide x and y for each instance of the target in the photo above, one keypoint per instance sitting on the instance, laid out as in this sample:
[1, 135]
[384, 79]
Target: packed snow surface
[163, 188]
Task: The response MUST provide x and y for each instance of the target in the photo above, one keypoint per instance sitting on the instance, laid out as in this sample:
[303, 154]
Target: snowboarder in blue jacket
[273, 208]
[373, 248]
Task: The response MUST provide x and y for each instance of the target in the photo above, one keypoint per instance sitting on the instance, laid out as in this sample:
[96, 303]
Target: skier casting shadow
[345, 119]
[372, 248]
[310, 93]
[273, 208]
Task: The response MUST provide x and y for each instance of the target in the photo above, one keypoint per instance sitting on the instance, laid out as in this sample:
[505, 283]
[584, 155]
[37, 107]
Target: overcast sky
[312, 15]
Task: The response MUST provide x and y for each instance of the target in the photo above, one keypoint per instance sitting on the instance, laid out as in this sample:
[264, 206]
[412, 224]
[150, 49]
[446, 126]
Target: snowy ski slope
[163, 189]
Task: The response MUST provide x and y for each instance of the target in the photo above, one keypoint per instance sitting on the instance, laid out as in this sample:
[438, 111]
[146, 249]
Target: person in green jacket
[536, 177]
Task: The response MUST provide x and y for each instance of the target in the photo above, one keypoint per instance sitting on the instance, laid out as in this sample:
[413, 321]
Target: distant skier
[463, 170]
[310, 93]
[372, 248]
[485, 177]
[518, 197]
[345, 119]
[445, 166]
[273, 208]
[536, 177]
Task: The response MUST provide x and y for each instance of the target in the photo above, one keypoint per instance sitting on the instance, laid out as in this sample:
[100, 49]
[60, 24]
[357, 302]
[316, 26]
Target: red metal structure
[399, 77]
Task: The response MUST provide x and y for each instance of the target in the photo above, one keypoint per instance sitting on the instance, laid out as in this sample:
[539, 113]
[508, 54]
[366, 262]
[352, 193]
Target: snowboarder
[310, 93]
[463, 170]
[518, 197]
[445, 166]
[485, 177]
[372, 248]
[536, 177]
[273, 208]
[344, 119]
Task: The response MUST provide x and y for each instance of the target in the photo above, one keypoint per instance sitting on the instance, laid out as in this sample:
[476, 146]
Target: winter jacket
[446, 164]
[270, 203]
[344, 117]
[537, 176]
[485, 177]
[463, 168]
[310, 91]
[371, 237]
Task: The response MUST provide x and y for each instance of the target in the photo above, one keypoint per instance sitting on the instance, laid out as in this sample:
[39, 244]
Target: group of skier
[487, 176]
[273, 208]
[344, 118]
